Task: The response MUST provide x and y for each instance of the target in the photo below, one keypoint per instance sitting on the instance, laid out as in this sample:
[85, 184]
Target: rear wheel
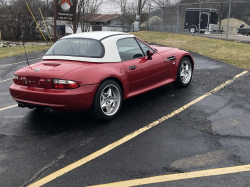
[108, 101]
[184, 73]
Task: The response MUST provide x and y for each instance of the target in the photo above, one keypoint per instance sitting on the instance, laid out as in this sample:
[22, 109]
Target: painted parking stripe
[181, 176]
[19, 62]
[108, 148]
[1, 109]
[6, 80]
[16, 63]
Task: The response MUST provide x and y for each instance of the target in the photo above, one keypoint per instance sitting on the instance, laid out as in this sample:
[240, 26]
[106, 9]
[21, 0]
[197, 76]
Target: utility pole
[162, 29]
[55, 18]
[228, 17]
[200, 18]
[137, 18]
[178, 17]
[149, 6]
[220, 16]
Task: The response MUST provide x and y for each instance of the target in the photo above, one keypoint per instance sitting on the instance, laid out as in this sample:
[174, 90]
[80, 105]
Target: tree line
[16, 21]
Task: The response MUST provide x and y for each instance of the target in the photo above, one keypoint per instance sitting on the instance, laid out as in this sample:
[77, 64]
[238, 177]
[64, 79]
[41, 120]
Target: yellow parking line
[16, 63]
[181, 176]
[127, 138]
[6, 80]
[19, 62]
[8, 107]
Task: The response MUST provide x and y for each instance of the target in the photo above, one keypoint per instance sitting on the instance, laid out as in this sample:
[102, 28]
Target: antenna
[25, 52]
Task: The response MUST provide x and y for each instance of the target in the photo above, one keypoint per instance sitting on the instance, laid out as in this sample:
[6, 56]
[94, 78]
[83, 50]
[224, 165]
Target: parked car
[244, 30]
[96, 71]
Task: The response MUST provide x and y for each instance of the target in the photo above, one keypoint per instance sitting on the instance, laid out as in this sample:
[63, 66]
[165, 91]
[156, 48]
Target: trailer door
[204, 20]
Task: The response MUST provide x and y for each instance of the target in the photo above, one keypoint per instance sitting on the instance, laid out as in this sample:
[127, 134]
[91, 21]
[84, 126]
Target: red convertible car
[96, 71]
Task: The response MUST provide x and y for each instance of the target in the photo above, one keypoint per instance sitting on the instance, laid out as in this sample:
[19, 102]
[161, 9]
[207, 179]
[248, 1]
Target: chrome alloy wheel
[186, 72]
[110, 100]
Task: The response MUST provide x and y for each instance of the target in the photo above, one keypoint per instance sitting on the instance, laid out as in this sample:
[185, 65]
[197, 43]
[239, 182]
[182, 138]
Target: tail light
[19, 80]
[64, 84]
[15, 79]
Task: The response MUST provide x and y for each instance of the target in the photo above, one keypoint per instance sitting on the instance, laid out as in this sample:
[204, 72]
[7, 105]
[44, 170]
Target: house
[91, 22]
[112, 20]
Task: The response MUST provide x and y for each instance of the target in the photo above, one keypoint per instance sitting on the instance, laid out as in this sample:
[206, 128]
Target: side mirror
[150, 54]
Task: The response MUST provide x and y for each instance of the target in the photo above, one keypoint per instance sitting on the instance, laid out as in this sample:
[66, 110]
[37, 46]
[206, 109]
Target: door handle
[132, 67]
[170, 59]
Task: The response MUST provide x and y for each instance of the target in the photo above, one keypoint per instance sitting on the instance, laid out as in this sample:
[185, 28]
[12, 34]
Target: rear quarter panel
[96, 73]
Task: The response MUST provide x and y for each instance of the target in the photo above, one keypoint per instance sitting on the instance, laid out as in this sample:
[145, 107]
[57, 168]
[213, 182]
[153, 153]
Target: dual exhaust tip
[46, 110]
[21, 105]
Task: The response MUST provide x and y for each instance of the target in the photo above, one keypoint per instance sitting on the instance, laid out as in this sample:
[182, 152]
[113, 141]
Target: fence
[90, 28]
[177, 18]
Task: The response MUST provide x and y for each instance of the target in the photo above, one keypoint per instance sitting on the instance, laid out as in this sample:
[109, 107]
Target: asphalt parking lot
[166, 132]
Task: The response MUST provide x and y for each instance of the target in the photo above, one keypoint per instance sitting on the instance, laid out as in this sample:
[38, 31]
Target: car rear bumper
[59, 99]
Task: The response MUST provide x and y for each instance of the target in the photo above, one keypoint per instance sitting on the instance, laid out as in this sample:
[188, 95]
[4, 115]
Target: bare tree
[86, 7]
[164, 3]
[123, 7]
[129, 10]
[16, 20]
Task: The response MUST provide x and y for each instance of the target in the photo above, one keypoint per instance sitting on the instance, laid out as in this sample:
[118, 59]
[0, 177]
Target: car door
[141, 70]
[163, 69]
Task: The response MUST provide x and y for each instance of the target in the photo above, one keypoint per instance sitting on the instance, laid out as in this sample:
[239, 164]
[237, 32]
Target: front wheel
[108, 101]
[184, 73]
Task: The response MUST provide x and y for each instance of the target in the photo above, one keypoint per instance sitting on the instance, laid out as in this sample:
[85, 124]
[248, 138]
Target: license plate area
[34, 81]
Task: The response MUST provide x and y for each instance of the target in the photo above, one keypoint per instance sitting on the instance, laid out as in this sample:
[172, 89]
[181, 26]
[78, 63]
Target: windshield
[83, 47]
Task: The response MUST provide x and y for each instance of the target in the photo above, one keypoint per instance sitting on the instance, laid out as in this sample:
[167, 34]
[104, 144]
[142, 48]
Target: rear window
[83, 47]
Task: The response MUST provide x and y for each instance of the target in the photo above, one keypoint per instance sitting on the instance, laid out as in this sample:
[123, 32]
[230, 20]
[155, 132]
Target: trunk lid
[41, 74]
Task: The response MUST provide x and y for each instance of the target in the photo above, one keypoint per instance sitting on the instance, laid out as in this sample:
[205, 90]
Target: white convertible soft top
[107, 38]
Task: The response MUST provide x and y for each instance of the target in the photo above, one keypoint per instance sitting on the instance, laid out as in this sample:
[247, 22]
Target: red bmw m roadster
[96, 71]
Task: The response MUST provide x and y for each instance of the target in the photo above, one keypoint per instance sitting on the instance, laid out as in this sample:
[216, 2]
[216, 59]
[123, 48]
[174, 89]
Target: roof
[108, 40]
[98, 35]
[100, 17]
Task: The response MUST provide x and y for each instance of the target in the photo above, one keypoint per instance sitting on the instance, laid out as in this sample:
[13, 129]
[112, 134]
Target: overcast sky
[109, 8]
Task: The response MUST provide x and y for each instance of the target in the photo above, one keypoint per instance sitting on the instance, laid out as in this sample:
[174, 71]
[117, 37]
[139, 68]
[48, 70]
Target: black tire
[192, 30]
[97, 111]
[180, 82]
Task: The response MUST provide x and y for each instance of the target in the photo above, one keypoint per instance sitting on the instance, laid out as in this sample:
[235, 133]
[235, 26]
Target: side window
[144, 47]
[129, 49]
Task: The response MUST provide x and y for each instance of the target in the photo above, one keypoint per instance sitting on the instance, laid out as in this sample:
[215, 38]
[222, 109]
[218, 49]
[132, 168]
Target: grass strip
[230, 52]
[6, 52]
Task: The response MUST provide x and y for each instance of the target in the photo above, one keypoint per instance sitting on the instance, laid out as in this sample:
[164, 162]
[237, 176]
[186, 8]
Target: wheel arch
[190, 58]
[193, 26]
[182, 55]
[116, 80]
[95, 111]
[177, 81]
